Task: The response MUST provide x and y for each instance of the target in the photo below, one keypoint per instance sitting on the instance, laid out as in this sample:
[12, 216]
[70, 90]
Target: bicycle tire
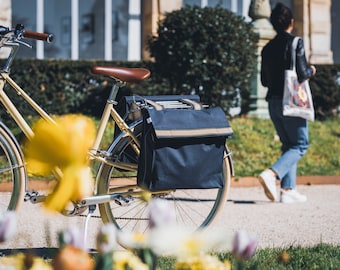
[12, 171]
[194, 208]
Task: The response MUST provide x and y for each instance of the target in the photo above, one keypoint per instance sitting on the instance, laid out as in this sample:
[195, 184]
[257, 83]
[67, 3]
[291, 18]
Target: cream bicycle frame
[23, 125]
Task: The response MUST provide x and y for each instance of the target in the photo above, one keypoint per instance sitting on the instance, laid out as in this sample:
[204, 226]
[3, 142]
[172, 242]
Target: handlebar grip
[38, 36]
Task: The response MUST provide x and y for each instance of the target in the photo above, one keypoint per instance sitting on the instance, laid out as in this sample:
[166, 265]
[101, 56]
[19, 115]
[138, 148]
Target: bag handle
[192, 103]
[293, 54]
[158, 107]
[154, 104]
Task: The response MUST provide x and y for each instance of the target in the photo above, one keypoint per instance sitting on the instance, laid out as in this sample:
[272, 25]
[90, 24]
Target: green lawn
[320, 257]
[255, 147]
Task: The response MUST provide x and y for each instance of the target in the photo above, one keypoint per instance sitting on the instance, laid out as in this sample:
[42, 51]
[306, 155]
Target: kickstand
[92, 208]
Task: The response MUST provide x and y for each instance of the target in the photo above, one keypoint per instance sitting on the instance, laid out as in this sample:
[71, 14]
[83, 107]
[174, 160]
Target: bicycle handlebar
[20, 32]
[38, 36]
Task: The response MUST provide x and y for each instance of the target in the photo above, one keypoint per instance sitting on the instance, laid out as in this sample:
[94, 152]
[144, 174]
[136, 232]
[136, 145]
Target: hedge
[66, 86]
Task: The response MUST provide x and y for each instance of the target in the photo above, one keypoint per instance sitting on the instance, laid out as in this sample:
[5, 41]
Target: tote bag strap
[293, 54]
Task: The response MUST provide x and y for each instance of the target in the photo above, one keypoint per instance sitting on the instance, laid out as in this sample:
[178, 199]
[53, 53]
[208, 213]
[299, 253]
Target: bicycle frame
[94, 153]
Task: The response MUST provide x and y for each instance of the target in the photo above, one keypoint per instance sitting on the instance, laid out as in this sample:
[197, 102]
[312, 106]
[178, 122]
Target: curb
[301, 180]
[249, 181]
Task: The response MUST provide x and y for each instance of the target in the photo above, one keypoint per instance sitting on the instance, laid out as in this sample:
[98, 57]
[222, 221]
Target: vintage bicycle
[116, 193]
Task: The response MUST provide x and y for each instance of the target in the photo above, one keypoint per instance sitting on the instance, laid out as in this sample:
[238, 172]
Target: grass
[255, 147]
[321, 256]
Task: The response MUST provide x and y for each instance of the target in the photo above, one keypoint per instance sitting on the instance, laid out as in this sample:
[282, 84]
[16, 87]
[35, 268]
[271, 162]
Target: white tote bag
[297, 97]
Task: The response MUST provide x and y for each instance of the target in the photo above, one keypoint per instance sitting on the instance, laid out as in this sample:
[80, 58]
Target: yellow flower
[40, 264]
[122, 259]
[203, 262]
[63, 145]
[60, 144]
[17, 262]
[75, 184]
[193, 245]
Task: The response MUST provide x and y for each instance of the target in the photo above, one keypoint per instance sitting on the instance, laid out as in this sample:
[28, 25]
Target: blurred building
[119, 29]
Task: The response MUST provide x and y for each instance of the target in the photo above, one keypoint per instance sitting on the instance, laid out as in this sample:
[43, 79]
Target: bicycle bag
[182, 149]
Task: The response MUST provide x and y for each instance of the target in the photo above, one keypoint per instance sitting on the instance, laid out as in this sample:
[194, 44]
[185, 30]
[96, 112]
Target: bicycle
[116, 193]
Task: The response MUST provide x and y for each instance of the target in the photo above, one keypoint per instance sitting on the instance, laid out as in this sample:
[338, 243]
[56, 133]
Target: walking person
[292, 131]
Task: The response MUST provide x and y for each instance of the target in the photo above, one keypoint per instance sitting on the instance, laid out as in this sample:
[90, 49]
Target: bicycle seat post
[115, 88]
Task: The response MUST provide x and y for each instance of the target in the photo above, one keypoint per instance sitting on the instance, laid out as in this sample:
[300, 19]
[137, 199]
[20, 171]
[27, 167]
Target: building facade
[119, 29]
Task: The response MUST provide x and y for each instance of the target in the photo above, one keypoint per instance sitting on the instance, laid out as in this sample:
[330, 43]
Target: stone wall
[313, 24]
[152, 12]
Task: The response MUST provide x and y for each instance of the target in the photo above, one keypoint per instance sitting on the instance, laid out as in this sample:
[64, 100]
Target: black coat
[276, 58]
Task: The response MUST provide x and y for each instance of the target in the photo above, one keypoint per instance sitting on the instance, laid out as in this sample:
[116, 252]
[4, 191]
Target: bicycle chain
[96, 216]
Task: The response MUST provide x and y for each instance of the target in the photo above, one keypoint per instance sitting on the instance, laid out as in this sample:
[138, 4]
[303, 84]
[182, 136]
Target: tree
[206, 51]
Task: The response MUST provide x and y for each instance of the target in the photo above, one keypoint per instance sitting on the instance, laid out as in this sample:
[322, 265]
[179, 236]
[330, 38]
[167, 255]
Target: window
[87, 41]
[240, 7]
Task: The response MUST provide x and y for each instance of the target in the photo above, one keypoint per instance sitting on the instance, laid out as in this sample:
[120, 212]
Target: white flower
[182, 242]
[244, 245]
[132, 240]
[106, 238]
[72, 236]
[161, 213]
[166, 240]
[8, 225]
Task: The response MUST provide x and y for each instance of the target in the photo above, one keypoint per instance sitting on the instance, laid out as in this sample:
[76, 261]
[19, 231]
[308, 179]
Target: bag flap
[180, 123]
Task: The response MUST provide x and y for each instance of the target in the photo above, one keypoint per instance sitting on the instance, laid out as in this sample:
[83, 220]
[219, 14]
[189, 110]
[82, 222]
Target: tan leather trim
[194, 132]
[154, 104]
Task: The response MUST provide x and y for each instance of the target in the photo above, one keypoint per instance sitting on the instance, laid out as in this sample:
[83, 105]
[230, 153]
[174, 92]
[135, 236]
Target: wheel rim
[12, 173]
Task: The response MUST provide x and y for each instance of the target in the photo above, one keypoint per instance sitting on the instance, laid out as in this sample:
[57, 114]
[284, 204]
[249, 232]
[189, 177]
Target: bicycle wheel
[12, 171]
[194, 208]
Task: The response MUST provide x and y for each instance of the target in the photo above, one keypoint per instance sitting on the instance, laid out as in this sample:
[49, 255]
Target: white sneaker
[268, 181]
[292, 196]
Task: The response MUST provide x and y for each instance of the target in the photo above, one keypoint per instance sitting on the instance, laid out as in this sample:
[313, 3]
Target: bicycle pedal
[30, 194]
[123, 200]
[34, 197]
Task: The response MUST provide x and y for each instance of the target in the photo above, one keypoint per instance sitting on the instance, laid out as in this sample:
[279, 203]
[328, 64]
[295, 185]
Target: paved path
[274, 224]
[280, 225]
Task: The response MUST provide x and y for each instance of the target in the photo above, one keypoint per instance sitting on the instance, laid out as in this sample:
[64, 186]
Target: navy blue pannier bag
[182, 149]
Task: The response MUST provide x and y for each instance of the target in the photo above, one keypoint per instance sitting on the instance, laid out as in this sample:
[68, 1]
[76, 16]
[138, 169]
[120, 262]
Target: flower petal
[69, 188]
